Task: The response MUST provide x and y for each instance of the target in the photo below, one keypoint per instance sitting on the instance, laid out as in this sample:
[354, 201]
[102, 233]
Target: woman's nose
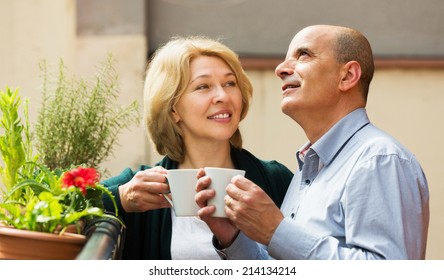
[221, 94]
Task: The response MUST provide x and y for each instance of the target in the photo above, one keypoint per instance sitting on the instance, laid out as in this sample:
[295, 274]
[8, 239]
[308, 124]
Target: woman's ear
[351, 75]
[175, 115]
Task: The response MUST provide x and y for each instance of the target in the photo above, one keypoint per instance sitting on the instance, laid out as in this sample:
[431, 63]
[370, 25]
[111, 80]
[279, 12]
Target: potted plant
[79, 121]
[39, 204]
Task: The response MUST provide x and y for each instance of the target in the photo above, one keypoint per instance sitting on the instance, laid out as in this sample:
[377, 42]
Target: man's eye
[303, 53]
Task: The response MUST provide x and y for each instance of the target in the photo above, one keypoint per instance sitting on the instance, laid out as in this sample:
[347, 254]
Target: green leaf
[12, 144]
[72, 217]
[34, 185]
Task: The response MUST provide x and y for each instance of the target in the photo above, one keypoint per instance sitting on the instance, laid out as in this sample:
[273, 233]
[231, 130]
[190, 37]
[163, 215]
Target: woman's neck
[208, 155]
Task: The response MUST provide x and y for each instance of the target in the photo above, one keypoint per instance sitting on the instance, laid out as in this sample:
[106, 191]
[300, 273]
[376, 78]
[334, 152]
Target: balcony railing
[105, 239]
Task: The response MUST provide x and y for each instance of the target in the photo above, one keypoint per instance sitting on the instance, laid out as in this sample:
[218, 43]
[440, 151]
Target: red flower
[81, 178]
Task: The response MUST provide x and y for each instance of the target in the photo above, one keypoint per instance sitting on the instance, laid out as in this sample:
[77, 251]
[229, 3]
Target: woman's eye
[202, 86]
[230, 84]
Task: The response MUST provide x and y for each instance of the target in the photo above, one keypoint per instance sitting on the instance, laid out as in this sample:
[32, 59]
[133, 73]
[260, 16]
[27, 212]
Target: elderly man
[358, 194]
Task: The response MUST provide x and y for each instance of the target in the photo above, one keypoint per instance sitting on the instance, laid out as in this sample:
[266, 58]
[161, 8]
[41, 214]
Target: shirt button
[307, 182]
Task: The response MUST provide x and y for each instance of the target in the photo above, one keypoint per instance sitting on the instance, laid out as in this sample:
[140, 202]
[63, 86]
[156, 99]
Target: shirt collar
[331, 142]
[300, 155]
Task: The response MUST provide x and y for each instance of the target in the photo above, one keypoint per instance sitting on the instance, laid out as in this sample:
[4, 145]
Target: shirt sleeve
[387, 209]
[243, 248]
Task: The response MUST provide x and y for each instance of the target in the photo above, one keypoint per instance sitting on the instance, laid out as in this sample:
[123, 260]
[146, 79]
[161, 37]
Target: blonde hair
[167, 77]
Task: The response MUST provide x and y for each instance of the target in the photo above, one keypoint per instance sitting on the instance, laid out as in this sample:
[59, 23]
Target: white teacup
[220, 178]
[182, 184]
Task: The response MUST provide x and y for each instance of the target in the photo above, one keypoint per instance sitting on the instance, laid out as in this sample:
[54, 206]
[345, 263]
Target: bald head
[352, 45]
[349, 45]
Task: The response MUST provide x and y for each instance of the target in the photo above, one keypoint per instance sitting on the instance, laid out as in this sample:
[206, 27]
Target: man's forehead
[311, 36]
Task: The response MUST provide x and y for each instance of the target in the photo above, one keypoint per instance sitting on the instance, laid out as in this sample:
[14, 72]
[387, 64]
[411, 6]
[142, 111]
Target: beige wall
[406, 103]
[31, 31]
[36, 30]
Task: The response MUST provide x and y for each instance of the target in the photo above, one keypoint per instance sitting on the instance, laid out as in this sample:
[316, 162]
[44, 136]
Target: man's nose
[284, 69]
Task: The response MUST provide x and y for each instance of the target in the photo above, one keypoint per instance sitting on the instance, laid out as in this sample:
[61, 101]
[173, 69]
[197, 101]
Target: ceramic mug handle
[165, 195]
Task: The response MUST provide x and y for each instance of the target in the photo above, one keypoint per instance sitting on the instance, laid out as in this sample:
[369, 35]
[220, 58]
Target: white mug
[182, 184]
[220, 178]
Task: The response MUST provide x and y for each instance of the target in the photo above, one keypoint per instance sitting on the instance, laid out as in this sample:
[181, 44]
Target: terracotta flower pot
[18, 244]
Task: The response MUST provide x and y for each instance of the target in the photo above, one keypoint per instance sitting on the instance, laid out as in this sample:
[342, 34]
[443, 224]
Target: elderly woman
[196, 94]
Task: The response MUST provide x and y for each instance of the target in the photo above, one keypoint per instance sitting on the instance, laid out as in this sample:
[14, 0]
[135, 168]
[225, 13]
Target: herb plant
[79, 121]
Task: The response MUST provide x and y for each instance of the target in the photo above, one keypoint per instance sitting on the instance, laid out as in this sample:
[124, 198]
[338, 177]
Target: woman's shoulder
[124, 176]
[245, 156]
[128, 173]
[252, 164]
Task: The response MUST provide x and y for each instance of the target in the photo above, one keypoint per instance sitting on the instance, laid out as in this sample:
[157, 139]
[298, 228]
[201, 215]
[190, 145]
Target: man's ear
[351, 75]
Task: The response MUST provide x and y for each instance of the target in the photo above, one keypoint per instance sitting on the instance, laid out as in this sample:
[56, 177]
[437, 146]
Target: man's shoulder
[376, 141]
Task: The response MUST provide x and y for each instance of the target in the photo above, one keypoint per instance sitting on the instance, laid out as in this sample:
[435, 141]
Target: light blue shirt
[363, 196]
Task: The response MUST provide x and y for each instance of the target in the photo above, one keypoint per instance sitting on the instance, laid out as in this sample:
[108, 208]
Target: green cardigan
[148, 234]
